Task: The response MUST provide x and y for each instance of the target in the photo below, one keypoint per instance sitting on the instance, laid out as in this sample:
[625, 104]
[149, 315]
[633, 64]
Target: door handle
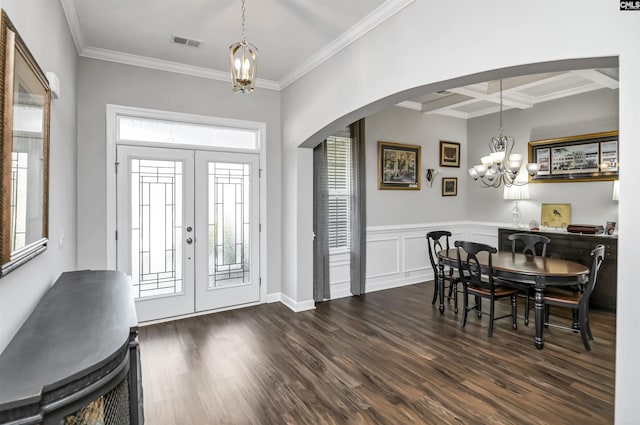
[189, 241]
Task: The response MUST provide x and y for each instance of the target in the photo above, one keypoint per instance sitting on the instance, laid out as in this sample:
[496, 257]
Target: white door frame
[113, 111]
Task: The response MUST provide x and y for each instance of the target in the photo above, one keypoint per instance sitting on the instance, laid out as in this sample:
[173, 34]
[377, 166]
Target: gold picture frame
[555, 215]
[398, 166]
[449, 154]
[586, 157]
[24, 152]
[449, 186]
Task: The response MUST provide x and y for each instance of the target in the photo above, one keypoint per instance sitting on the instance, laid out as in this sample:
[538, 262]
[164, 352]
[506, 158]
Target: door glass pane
[156, 227]
[228, 227]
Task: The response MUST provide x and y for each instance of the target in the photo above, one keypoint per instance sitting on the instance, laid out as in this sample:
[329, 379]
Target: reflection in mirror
[25, 153]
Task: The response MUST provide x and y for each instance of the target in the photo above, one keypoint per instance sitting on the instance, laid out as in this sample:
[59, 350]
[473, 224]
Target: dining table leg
[539, 311]
[440, 283]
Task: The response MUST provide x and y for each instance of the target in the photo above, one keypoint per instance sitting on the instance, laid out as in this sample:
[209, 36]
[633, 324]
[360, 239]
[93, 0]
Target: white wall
[101, 83]
[400, 207]
[43, 27]
[454, 45]
[586, 113]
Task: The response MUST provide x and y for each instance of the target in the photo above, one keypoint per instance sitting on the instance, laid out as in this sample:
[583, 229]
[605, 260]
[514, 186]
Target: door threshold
[196, 314]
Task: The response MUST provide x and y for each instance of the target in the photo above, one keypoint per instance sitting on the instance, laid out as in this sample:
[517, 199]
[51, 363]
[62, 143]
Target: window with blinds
[339, 185]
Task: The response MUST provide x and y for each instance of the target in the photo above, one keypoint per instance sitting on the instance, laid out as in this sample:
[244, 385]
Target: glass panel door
[155, 229]
[227, 265]
[188, 229]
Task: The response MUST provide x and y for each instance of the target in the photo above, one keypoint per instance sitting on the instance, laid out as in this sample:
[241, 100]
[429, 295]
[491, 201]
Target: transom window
[184, 133]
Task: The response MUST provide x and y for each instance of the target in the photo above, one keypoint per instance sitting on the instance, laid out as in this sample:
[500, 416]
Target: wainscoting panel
[383, 256]
[398, 256]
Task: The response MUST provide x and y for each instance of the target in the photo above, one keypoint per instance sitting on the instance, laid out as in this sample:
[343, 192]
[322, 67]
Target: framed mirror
[25, 100]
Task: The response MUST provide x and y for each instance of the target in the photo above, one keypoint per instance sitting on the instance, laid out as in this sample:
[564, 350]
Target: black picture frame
[449, 154]
[449, 186]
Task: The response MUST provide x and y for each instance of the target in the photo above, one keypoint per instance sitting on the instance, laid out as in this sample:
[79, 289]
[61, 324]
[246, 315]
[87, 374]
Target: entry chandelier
[501, 166]
[243, 62]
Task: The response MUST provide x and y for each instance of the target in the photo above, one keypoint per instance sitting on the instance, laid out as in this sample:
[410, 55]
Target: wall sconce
[431, 175]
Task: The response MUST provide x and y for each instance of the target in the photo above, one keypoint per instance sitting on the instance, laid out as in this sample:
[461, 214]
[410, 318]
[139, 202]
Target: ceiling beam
[444, 103]
[495, 98]
[598, 77]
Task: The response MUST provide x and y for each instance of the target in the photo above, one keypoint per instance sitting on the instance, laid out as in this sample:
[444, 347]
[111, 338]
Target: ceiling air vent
[185, 41]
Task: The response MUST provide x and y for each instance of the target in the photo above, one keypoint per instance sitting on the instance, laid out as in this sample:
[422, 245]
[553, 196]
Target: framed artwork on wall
[555, 215]
[449, 186]
[398, 166]
[587, 157]
[449, 154]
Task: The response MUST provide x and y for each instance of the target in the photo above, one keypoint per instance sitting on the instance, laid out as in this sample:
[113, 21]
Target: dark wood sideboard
[76, 358]
[577, 247]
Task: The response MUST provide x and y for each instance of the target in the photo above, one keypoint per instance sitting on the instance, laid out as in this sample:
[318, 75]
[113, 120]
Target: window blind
[339, 185]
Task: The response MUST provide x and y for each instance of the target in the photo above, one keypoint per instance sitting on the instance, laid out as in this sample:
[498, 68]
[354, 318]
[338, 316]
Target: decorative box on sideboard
[577, 247]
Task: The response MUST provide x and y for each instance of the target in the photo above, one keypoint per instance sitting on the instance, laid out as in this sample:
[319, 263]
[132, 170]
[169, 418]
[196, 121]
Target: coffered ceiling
[518, 92]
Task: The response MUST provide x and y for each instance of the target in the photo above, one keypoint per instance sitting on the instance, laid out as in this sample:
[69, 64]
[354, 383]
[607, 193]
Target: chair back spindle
[434, 243]
[530, 241]
[598, 257]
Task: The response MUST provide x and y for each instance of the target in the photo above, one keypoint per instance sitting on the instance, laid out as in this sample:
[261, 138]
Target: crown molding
[369, 22]
[375, 18]
[162, 65]
[71, 13]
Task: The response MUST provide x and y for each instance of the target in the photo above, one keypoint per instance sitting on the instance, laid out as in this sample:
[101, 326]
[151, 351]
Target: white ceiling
[293, 37]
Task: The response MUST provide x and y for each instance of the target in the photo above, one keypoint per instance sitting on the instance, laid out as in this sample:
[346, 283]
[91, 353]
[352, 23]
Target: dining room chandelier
[243, 63]
[501, 166]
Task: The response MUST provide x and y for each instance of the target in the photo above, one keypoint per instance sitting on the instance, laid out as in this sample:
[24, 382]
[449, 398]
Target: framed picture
[24, 152]
[398, 166]
[449, 154]
[449, 186]
[587, 157]
[555, 215]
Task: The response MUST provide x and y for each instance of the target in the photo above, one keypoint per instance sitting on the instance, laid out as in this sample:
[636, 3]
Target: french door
[188, 229]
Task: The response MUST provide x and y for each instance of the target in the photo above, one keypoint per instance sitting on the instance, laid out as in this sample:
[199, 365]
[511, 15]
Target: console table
[577, 247]
[76, 358]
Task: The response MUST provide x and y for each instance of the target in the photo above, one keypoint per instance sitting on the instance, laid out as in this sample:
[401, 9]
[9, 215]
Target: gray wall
[101, 83]
[427, 205]
[591, 202]
[43, 27]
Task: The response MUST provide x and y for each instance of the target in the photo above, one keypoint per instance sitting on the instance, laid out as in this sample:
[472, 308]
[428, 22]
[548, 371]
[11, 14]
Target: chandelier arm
[503, 166]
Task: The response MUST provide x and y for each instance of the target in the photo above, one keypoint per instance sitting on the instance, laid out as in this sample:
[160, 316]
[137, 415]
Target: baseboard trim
[381, 286]
[297, 306]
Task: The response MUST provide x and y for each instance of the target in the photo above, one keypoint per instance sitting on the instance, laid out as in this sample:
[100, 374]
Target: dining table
[517, 270]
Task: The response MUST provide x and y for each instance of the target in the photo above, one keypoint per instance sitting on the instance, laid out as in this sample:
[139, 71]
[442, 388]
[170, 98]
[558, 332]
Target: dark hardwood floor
[386, 357]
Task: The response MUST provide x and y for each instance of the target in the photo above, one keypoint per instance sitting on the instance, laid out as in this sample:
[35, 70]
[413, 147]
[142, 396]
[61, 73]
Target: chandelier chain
[500, 108]
[243, 10]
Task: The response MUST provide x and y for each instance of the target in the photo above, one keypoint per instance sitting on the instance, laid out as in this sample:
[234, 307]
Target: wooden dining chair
[577, 301]
[528, 242]
[478, 281]
[435, 241]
